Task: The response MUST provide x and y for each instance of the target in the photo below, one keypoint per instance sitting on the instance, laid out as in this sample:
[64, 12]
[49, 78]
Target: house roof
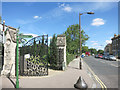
[115, 37]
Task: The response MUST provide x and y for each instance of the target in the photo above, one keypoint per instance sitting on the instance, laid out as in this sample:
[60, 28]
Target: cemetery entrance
[33, 57]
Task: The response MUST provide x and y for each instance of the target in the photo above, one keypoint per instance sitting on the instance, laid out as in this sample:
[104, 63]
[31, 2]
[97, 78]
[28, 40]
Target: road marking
[97, 79]
[101, 82]
[114, 65]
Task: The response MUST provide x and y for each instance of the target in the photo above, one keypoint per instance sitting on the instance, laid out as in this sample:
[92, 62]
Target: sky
[0, 8]
[38, 18]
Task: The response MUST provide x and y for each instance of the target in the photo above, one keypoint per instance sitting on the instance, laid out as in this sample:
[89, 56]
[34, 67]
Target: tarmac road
[106, 70]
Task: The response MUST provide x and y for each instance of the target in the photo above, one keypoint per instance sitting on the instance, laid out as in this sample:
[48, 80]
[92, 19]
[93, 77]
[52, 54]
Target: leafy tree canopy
[92, 51]
[84, 49]
[100, 51]
[0, 19]
[72, 38]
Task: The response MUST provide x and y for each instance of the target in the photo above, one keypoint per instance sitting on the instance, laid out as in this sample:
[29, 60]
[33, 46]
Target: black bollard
[81, 84]
[80, 64]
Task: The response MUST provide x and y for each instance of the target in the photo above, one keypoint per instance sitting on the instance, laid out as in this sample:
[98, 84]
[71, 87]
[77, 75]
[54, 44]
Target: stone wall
[9, 52]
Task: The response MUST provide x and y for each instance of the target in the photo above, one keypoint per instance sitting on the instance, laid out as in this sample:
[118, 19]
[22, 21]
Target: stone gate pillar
[9, 52]
[61, 44]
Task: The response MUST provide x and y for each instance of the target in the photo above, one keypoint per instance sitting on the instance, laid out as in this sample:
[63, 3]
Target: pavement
[55, 79]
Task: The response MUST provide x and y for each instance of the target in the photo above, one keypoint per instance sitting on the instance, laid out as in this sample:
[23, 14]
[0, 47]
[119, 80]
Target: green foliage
[72, 38]
[53, 58]
[84, 49]
[0, 19]
[92, 51]
[69, 57]
[73, 41]
[100, 51]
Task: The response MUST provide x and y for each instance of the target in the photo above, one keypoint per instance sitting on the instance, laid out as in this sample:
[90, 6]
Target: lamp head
[3, 21]
[90, 12]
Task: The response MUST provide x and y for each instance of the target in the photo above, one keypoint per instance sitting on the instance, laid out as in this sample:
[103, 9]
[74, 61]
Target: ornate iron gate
[34, 57]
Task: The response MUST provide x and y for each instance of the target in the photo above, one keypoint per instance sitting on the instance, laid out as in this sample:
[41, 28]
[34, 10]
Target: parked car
[111, 57]
[100, 56]
[96, 56]
[107, 57]
[103, 57]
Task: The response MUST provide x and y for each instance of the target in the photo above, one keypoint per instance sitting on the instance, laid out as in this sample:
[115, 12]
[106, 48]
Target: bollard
[63, 66]
[81, 84]
[80, 64]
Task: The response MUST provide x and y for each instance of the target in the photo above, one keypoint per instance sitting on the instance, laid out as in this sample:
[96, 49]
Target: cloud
[108, 41]
[28, 21]
[34, 35]
[50, 37]
[67, 8]
[94, 44]
[61, 5]
[94, 41]
[98, 22]
[36, 17]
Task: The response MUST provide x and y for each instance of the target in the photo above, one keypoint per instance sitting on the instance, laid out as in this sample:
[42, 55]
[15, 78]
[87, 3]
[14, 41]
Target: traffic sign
[25, 36]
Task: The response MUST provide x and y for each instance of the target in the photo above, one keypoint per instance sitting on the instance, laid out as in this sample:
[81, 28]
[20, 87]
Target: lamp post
[80, 33]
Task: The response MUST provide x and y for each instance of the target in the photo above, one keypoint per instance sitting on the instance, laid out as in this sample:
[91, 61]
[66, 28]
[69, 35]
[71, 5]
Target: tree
[72, 38]
[100, 51]
[53, 52]
[84, 49]
[0, 19]
[92, 51]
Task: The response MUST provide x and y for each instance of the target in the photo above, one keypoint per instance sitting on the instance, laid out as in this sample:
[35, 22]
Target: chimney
[115, 35]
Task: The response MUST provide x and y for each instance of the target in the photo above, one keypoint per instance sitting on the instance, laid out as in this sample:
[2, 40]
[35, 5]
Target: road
[106, 70]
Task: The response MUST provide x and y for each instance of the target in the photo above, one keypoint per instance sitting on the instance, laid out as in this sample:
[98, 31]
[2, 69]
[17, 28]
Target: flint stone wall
[9, 52]
[61, 44]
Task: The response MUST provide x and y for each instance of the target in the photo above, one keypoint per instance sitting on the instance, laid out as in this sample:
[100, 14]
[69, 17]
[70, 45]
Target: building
[108, 49]
[116, 45]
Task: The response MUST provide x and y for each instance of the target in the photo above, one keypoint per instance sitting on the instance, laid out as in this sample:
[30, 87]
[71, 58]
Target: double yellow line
[97, 79]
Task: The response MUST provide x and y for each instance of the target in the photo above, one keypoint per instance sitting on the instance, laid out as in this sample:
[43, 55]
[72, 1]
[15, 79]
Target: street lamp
[80, 32]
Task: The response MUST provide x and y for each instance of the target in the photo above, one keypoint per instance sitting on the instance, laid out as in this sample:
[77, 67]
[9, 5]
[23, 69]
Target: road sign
[25, 36]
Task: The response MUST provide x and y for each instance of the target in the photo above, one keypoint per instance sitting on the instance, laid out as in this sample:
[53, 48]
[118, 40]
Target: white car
[111, 57]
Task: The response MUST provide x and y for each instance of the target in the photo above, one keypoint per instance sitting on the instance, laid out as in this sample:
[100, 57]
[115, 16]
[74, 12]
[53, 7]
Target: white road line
[114, 65]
